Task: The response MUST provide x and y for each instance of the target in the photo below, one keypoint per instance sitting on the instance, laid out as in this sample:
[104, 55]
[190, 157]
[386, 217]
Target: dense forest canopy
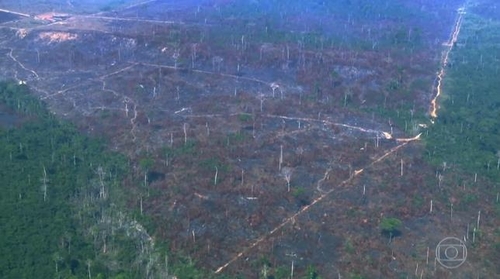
[52, 193]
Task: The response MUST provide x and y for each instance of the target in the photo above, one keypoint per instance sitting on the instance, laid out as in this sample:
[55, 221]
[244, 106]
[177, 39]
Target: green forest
[50, 187]
[467, 130]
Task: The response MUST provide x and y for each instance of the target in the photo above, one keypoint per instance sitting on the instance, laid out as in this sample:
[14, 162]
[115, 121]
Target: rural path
[14, 13]
[444, 61]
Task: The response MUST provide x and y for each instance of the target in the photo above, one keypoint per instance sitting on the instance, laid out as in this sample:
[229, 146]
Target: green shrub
[390, 226]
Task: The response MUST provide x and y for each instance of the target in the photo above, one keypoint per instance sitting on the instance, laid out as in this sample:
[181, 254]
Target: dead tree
[217, 63]
[185, 132]
[498, 161]
[281, 157]
[193, 54]
[57, 259]
[102, 190]
[89, 262]
[262, 97]
[287, 174]
[275, 86]
[216, 174]
[44, 180]
[176, 56]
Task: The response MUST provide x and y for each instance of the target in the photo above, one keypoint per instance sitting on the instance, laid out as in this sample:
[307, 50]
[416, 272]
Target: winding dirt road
[444, 61]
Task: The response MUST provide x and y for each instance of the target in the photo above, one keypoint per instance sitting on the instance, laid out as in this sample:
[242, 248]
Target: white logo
[451, 252]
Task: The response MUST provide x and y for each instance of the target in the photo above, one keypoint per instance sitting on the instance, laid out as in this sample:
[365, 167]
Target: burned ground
[229, 107]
